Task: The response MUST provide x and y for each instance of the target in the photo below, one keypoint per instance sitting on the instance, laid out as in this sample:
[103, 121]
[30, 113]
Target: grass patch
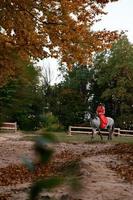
[79, 138]
[122, 139]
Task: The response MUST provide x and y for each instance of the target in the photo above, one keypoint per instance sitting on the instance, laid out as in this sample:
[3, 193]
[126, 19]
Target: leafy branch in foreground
[67, 172]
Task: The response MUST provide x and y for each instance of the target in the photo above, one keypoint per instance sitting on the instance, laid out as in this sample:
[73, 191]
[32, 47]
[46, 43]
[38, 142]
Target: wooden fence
[9, 126]
[88, 130]
[127, 133]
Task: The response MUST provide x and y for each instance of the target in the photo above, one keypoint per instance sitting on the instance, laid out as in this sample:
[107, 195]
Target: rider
[101, 114]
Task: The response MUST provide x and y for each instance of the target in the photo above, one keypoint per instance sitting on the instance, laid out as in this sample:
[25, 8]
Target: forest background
[95, 65]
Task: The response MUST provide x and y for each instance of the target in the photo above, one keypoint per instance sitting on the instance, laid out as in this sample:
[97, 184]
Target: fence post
[69, 131]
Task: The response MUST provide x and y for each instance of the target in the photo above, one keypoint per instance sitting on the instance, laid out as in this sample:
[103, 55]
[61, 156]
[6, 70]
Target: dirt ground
[99, 170]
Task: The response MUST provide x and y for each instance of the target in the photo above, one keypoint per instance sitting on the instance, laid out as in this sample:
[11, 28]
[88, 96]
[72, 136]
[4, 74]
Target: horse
[95, 124]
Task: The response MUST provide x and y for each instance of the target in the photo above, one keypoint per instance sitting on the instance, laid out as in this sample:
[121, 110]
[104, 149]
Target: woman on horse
[101, 114]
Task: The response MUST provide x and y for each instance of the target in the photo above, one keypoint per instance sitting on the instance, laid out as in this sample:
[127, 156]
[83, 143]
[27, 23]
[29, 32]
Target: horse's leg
[110, 135]
[93, 133]
[101, 136]
[111, 131]
[108, 129]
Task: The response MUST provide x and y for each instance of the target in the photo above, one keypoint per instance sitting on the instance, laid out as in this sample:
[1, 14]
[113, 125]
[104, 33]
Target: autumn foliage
[60, 28]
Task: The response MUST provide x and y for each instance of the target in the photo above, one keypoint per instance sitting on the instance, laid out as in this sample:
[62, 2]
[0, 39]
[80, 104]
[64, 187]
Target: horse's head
[86, 116]
[89, 116]
[93, 115]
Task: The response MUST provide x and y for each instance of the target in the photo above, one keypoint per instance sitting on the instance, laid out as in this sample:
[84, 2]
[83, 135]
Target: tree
[21, 99]
[38, 29]
[114, 81]
[69, 99]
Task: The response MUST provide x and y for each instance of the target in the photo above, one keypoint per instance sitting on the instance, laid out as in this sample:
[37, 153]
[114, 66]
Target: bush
[125, 121]
[51, 123]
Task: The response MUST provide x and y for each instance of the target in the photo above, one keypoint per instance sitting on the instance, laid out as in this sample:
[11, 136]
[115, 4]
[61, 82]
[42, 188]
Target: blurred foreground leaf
[69, 171]
[29, 163]
[40, 185]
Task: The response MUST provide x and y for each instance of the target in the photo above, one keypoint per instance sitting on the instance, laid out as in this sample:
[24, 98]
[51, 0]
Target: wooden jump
[9, 126]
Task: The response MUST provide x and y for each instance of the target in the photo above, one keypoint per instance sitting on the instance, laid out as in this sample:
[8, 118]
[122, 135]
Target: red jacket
[100, 110]
[101, 114]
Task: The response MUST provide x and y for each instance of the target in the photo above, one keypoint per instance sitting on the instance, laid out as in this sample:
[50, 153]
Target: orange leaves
[15, 174]
[32, 25]
[104, 39]
[124, 153]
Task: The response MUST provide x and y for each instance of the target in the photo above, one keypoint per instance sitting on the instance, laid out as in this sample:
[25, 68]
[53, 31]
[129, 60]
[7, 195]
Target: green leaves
[69, 99]
[114, 80]
[29, 163]
[41, 147]
[44, 154]
[22, 99]
[68, 170]
[41, 185]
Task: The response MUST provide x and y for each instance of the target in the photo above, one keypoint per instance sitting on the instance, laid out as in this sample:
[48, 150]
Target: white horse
[95, 124]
